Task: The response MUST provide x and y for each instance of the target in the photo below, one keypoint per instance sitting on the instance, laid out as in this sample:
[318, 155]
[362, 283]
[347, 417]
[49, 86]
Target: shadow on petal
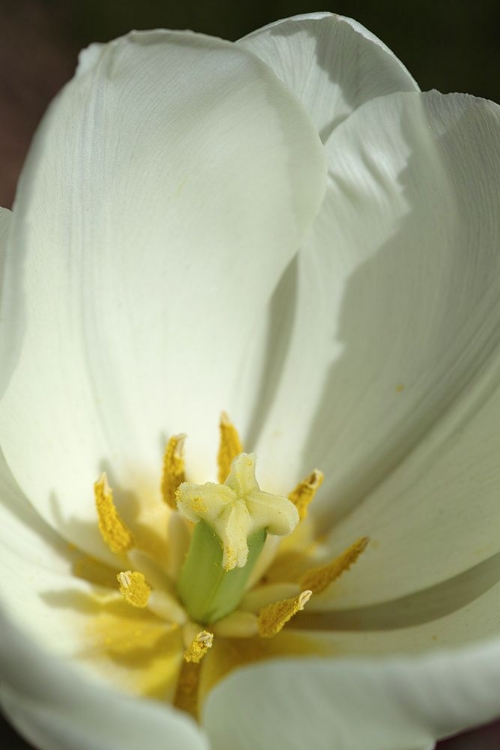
[131, 647]
[416, 609]
[279, 323]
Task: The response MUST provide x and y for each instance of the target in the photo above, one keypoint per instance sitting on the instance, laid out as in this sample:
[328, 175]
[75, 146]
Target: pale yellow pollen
[173, 469]
[275, 616]
[199, 647]
[305, 491]
[114, 532]
[229, 447]
[319, 578]
[134, 588]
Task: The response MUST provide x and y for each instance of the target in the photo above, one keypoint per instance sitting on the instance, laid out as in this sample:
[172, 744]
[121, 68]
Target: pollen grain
[173, 469]
[134, 588]
[275, 616]
[317, 579]
[114, 532]
[199, 647]
[303, 495]
[229, 447]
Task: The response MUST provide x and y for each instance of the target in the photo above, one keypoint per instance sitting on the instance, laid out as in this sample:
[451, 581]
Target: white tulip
[285, 228]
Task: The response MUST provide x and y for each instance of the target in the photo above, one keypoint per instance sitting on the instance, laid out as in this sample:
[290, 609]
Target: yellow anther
[305, 491]
[275, 616]
[199, 647]
[134, 588]
[259, 597]
[319, 578]
[114, 532]
[229, 447]
[173, 469]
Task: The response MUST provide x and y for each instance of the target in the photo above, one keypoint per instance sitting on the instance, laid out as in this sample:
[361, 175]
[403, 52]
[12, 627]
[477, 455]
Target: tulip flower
[286, 232]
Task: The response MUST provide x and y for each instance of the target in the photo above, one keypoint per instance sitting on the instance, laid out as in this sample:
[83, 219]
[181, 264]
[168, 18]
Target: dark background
[448, 45]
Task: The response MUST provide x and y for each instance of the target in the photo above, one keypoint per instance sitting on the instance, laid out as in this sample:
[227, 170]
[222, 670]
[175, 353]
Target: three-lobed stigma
[236, 509]
[232, 521]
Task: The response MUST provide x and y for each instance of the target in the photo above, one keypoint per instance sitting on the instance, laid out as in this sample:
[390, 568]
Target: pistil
[232, 522]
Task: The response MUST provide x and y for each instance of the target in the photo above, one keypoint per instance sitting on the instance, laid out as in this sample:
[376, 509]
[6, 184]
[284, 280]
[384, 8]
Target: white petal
[437, 514]
[169, 185]
[332, 63]
[394, 333]
[457, 612]
[70, 605]
[55, 707]
[398, 704]
[5, 217]
[34, 561]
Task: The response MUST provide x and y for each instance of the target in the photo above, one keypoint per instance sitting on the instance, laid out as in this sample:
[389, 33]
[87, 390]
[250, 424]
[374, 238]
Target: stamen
[186, 696]
[275, 616]
[199, 647]
[166, 607]
[173, 469]
[303, 495]
[319, 578]
[237, 625]
[114, 532]
[134, 588]
[260, 596]
[229, 447]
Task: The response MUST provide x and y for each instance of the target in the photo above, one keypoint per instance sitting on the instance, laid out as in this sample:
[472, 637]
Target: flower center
[226, 536]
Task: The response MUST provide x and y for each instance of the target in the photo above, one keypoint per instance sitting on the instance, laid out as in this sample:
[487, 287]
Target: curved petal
[437, 514]
[457, 612]
[394, 345]
[332, 63]
[28, 543]
[70, 604]
[168, 186]
[54, 706]
[398, 704]
[5, 223]
[5, 218]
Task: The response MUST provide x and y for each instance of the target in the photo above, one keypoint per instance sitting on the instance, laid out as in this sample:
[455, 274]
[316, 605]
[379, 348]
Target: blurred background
[450, 46]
